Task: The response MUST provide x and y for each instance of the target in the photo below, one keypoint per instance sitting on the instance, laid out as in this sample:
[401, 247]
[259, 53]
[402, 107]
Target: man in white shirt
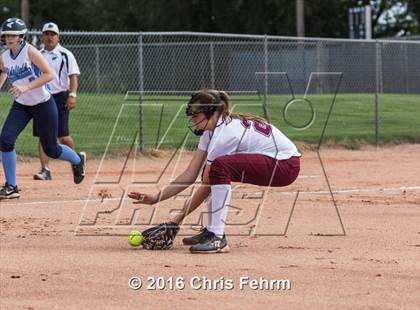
[63, 88]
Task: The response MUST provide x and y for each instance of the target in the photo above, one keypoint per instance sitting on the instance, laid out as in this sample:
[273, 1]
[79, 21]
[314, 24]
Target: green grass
[352, 120]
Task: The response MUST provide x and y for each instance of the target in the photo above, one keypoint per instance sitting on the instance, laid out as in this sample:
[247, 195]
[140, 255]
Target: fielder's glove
[160, 237]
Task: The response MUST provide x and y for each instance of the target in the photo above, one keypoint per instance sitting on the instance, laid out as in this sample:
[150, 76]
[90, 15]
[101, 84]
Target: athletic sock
[220, 199]
[69, 154]
[209, 215]
[9, 167]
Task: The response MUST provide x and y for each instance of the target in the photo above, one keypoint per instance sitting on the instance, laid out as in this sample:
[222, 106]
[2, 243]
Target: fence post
[265, 103]
[318, 65]
[378, 90]
[141, 92]
[97, 69]
[405, 66]
[212, 72]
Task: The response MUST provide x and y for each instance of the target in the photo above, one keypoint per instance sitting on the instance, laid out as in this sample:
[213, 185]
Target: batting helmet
[13, 26]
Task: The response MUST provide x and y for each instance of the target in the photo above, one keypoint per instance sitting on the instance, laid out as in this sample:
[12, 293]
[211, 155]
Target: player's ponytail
[227, 115]
[249, 117]
[212, 100]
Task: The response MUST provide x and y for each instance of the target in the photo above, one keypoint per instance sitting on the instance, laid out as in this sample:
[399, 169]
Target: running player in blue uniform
[28, 73]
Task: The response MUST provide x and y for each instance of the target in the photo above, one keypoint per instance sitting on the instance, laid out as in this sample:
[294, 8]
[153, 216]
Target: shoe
[43, 175]
[202, 236]
[9, 192]
[79, 170]
[212, 244]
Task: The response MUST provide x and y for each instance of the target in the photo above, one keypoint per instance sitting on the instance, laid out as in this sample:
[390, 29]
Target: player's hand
[71, 103]
[18, 90]
[147, 199]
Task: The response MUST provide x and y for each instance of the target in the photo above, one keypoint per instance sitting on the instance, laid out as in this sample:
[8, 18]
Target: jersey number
[262, 128]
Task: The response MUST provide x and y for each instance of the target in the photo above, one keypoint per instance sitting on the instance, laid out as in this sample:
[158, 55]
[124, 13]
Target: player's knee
[7, 142]
[52, 151]
[219, 174]
[64, 140]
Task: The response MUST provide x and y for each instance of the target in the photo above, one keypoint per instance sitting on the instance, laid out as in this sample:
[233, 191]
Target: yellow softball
[135, 238]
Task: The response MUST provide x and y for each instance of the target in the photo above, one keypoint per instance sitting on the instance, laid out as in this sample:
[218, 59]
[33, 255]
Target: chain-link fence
[159, 70]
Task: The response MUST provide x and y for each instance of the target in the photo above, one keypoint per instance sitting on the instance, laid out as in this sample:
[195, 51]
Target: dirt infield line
[343, 191]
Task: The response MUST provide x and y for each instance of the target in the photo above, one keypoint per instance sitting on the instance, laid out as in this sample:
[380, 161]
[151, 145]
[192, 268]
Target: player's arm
[3, 75]
[3, 78]
[47, 73]
[74, 84]
[184, 180]
[199, 195]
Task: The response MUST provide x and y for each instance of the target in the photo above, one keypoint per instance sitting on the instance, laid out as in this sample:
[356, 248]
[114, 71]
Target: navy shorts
[44, 113]
[63, 115]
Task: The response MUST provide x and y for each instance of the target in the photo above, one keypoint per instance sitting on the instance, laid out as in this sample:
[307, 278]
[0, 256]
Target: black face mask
[207, 109]
[196, 131]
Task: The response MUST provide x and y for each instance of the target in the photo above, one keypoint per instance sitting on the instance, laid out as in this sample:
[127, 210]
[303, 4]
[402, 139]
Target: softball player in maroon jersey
[234, 147]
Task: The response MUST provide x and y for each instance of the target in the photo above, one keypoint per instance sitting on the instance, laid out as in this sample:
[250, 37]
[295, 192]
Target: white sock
[220, 199]
[208, 203]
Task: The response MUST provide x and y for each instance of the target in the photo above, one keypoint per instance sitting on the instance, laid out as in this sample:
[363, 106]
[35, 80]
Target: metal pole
[24, 11]
[378, 89]
[368, 22]
[97, 67]
[300, 18]
[351, 26]
[212, 72]
[318, 65]
[265, 103]
[406, 70]
[141, 88]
